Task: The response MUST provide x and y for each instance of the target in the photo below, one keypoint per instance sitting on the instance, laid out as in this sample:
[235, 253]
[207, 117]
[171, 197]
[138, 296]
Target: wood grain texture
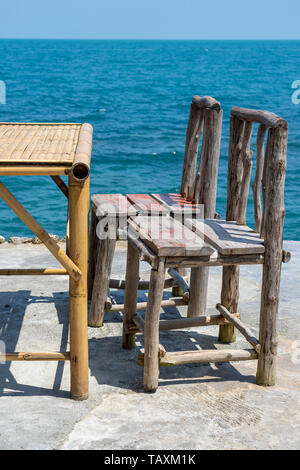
[276, 154]
[146, 204]
[151, 331]
[260, 116]
[228, 237]
[165, 236]
[212, 356]
[132, 281]
[112, 205]
[176, 204]
[256, 186]
[246, 332]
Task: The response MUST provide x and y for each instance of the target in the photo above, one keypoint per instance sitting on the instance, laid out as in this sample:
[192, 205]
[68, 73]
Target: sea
[137, 95]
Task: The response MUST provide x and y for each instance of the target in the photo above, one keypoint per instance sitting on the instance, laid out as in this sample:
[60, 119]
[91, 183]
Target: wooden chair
[228, 243]
[199, 185]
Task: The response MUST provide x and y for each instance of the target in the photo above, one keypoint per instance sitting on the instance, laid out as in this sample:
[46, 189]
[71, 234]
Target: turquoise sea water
[136, 94]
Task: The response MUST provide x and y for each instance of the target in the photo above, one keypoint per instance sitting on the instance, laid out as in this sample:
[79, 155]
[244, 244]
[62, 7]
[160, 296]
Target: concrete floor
[196, 406]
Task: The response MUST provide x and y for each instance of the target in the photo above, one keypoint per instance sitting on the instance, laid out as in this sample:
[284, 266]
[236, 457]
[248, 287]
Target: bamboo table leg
[78, 217]
[151, 332]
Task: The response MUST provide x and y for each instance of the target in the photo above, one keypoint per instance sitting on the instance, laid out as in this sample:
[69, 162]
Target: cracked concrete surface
[196, 406]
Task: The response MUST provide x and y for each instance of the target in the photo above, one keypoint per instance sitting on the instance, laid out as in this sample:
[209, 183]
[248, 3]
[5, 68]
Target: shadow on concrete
[13, 307]
[114, 366]
[109, 363]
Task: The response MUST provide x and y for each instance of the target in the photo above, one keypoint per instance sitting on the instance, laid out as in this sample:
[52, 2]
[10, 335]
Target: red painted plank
[168, 237]
[176, 203]
[112, 205]
[146, 204]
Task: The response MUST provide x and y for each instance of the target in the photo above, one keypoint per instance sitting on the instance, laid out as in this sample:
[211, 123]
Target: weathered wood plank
[112, 205]
[166, 236]
[228, 237]
[176, 204]
[146, 204]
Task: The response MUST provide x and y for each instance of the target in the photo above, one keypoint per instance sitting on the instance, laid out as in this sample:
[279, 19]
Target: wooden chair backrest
[269, 175]
[199, 184]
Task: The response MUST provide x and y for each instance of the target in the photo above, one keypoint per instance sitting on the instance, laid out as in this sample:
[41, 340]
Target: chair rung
[35, 356]
[220, 355]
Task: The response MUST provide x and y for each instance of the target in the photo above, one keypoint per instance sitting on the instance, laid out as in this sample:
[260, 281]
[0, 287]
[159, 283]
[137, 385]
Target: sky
[150, 19]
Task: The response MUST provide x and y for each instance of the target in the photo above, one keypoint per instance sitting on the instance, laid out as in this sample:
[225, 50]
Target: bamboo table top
[34, 145]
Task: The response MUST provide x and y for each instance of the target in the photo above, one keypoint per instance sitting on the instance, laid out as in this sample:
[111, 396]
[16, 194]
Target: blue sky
[150, 19]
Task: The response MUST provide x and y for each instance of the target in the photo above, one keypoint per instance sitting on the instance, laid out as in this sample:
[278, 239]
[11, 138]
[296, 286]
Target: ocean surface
[137, 94]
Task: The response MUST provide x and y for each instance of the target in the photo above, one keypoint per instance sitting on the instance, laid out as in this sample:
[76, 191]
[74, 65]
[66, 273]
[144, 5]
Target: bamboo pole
[33, 272]
[35, 227]
[274, 208]
[82, 160]
[35, 356]
[61, 185]
[78, 214]
[32, 170]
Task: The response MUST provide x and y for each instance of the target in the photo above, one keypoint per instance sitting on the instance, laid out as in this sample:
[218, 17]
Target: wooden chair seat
[166, 236]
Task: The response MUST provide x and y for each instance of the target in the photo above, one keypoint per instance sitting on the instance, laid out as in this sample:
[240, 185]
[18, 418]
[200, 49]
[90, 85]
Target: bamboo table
[54, 150]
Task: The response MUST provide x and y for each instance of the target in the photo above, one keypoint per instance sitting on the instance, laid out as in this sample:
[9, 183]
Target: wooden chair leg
[198, 292]
[273, 232]
[229, 298]
[93, 253]
[131, 289]
[151, 332]
[176, 290]
[266, 367]
[101, 283]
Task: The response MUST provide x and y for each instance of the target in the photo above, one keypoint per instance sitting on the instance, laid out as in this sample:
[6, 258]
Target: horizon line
[146, 39]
